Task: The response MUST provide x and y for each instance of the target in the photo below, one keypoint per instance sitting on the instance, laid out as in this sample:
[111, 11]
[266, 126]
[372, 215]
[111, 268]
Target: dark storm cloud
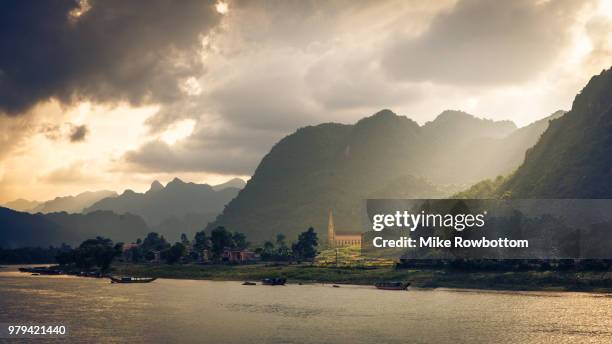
[78, 133]
[482, 42]
[115, 50]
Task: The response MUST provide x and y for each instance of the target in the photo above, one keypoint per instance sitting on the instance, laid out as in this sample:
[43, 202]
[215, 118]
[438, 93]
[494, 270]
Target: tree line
[31, 255]
[100, 252]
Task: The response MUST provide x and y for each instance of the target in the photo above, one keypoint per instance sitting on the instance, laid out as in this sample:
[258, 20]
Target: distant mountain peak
[453, 121]
[454, 114]
[232, 183]
[179, 207]
[382, 115]
[384, 112]
[69, 204]
[462, 116]
[22, 204]
[176, 181]
[156, 186]
[385, 120]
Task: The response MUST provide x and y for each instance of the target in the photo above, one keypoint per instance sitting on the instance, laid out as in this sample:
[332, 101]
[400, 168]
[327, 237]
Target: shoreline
[594, 282]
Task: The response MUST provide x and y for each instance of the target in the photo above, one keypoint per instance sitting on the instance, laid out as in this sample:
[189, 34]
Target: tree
[154, 241]
[200, 241]
[96, 252]
[220, 239]
[268, 246]
[283, 253]
[306, 246]
[174, 253]
[240, 241]
[184, 239]
[65, 258]
[135, 254]
[267, 251]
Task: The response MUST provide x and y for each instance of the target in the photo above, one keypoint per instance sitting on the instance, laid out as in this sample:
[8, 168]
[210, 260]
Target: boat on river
[274, 281]
[129, 279]
[392, 285]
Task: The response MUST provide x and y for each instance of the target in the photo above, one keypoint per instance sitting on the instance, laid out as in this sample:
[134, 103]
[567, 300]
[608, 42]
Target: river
[187, 311]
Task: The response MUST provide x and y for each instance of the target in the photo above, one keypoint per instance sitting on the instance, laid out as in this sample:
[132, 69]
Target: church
[340, 240]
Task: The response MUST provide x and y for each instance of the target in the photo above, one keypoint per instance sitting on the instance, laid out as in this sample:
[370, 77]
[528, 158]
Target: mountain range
[69, 204]
[177, 208]
[336, 166]
[20, 229]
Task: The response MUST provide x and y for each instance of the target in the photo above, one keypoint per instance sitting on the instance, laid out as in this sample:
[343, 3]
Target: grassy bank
[520, 280]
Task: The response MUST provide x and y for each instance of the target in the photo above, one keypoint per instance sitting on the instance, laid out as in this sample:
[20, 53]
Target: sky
[114, 94]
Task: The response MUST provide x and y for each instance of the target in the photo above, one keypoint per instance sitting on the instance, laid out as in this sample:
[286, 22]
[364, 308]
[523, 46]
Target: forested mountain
[572, 158]
[19, 229]
[336, 166]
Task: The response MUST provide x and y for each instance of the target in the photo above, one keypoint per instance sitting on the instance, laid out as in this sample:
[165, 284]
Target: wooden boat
[274, 281]
[249, 283]
[392, 285]
[132, 279]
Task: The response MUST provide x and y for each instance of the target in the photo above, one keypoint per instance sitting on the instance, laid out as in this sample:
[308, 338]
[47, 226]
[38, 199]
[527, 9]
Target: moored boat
[129, 279]
[249, 283]
[392, 285]
[274, 281]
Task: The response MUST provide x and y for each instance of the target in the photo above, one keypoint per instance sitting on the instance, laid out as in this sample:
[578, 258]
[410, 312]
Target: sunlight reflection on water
[227, 312]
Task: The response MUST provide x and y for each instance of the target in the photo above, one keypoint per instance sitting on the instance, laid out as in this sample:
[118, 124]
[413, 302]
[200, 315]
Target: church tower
[331, 234]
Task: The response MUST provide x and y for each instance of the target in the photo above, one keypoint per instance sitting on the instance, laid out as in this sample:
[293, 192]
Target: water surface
[185, 311]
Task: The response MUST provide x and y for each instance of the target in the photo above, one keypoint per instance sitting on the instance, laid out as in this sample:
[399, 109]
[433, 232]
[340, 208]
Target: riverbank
[519, 280]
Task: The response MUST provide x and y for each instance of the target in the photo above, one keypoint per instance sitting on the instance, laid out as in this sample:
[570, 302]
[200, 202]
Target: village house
[238, 256]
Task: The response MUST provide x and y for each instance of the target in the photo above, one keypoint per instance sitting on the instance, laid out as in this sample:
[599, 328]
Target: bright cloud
[202, 90]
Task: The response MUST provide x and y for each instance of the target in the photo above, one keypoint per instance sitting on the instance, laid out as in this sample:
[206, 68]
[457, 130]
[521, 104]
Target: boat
[274, 281]
[335, 286]
[392, 285]
[129, 279]
[249, 283]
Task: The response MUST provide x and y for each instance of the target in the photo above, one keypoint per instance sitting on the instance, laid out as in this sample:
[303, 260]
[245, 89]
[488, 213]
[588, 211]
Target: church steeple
[331, 233]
